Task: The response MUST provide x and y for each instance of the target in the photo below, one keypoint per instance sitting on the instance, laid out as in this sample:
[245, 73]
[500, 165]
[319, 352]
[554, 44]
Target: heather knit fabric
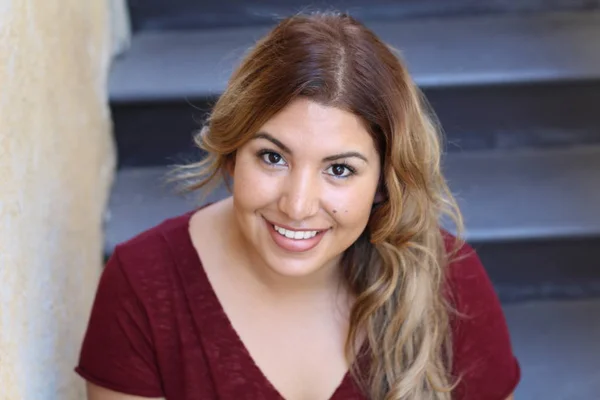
[157, 329]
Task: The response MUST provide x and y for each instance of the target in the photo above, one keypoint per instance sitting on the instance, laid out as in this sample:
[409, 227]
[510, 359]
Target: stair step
[206, 14]
[556, 344]
[440, 52]
[473, 118]
[528, 193]
[141, 198]
[517, 195]
[550, 268]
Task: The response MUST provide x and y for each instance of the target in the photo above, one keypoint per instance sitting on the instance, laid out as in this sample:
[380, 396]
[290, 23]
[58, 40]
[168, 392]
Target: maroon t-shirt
[157, 329]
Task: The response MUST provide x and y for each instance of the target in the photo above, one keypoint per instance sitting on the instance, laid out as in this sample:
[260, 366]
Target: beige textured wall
[56, 163]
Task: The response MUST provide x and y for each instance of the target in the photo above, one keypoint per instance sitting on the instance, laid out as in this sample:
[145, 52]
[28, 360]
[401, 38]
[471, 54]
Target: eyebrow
[276, 142]
[348, 154]
[270, 138]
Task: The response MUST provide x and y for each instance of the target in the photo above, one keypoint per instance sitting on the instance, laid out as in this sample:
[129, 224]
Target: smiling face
[303, 187]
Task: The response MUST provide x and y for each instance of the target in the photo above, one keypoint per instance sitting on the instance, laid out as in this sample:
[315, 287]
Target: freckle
[345, 211]
[334, 211]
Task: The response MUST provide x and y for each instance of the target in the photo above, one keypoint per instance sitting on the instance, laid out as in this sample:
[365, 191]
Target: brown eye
[272, 158]
[338, 170]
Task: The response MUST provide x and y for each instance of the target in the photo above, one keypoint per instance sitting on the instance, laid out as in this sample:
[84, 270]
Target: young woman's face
[304, 187]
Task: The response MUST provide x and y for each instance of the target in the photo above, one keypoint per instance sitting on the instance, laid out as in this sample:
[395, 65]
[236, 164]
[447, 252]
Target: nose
[300, 196]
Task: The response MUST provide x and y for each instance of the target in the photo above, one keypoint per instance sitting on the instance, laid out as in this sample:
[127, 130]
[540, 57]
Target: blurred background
[516, 85]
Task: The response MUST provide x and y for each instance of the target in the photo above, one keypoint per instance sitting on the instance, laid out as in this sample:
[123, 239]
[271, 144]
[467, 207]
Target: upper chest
[292, 348]
[301, 354]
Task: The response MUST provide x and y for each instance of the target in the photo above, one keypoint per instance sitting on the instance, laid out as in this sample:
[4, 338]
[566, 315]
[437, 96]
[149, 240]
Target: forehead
[306, 124]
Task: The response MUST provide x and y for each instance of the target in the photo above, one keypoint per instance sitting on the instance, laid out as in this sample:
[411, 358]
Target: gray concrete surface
[558, 346]
[210, 14]
[439, 52]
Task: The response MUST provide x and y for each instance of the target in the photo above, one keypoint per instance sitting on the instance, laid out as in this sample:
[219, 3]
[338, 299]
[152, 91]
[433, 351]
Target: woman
[326, 275]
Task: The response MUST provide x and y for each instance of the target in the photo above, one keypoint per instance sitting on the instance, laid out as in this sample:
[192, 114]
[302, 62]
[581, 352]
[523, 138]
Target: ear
[380, 197]
[230, 165]
[381, 193]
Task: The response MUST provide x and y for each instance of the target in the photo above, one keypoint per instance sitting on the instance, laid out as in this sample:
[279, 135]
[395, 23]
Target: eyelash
[262, 153]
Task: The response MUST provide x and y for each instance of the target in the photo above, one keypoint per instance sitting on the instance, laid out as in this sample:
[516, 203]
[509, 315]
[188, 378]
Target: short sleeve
[118, 351]
[483, 358]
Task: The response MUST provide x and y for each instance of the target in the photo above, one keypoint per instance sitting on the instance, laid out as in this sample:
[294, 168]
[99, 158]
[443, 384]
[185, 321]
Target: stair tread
[525, 194]
[449, 51]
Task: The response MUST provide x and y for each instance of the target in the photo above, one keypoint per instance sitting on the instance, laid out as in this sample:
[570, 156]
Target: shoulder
[470, 291]
[465, 272]
[483, 357]
[149, 263]
[156, 240]
[153, 251]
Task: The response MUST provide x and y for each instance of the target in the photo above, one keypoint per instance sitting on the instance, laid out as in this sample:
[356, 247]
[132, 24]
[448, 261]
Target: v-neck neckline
[216, 327]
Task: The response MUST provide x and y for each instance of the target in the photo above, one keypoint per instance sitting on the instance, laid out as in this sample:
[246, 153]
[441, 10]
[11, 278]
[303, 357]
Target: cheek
[251, 185]
[351, 205]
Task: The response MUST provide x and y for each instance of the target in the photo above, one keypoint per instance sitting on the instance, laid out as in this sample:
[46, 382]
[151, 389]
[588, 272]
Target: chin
[291, 264]
[293, 269]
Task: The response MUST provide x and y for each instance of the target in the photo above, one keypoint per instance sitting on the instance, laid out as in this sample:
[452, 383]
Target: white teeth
[297, 235]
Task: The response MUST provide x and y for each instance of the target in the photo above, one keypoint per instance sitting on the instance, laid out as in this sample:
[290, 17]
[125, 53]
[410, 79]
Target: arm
[511, 397]
[95, 392]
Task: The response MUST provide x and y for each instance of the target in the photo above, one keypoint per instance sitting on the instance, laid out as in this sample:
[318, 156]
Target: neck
[327, 279]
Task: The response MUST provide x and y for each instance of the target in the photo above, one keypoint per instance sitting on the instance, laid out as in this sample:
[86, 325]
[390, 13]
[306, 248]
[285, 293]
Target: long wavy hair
[400, 321]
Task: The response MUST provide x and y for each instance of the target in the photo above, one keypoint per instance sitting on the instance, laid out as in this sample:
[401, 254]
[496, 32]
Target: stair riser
[543, 269]
[206, 14]
[473, 118]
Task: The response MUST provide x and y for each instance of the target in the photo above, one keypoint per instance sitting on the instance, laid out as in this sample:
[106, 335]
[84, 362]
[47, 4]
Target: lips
[295, 241]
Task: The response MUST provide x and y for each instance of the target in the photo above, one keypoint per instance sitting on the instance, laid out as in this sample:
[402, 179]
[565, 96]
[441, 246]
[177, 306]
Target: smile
[297, 235]
[295, 241]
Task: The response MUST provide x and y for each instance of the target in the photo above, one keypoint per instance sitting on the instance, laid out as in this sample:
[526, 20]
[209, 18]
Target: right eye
[272, 158]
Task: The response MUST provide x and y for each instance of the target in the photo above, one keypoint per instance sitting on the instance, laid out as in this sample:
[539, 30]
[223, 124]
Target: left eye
[339, 171]
[272, 158]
